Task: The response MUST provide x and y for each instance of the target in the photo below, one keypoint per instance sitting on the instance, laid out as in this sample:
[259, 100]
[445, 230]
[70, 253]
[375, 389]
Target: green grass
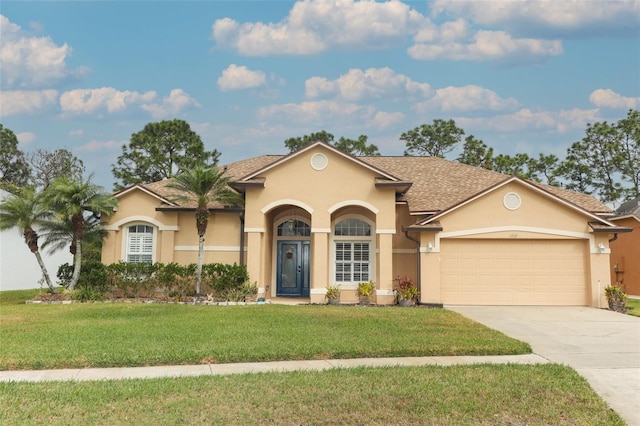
[633, 307]
[18, 297]
[458, 395]
[107, 335]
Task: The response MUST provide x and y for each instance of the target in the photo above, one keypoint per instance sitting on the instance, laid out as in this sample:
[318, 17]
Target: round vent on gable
[512, 201]
[319, 161]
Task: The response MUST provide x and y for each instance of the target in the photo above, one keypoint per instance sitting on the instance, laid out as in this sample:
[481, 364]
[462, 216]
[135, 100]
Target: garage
[514, 272]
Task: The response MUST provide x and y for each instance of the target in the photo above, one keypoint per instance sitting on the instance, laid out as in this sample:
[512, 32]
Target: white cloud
[486, 45]
[524, 119]
[76, 133]
[373, 83]
[104, 99]
[177, 101]
[383, 120]
[540, 17]
[607, 98]
[32, 62]
[25, 138]
[312, 112]
[240, 77]
[15, 102]
[466, 98]
[95, 146]
[315, 26]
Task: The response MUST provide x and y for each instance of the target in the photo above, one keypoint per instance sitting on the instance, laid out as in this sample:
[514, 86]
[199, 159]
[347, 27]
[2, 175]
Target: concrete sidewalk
[85, 374]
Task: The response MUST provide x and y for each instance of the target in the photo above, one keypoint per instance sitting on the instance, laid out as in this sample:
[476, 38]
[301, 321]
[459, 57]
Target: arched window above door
[294, 228]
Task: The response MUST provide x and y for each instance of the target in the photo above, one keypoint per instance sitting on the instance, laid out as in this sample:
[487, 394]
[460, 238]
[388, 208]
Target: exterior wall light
[601, 248]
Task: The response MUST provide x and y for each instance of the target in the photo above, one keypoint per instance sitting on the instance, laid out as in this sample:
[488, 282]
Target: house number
[513, 235]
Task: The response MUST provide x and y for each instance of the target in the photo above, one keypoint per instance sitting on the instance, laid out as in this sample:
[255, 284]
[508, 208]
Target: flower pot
[404, 302]
[617, 306]
[335, 301]
[364, 300]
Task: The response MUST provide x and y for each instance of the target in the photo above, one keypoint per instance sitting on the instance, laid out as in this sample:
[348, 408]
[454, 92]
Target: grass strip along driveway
[127, 335]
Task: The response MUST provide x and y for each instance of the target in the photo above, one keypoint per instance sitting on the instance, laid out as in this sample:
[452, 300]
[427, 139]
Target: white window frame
[352, 239]
[126, 252]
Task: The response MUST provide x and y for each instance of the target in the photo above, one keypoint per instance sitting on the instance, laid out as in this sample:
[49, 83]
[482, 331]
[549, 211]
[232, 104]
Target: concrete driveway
[602, 346]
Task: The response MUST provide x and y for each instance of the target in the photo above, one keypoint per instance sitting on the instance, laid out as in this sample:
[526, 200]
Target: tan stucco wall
[538, 217]
[342, 188]
[625, 256]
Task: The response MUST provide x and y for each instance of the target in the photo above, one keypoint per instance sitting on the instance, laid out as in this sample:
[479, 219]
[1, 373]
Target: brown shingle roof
[438, 184]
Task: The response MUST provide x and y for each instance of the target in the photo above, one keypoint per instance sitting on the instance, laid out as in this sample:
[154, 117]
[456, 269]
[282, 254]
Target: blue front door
[293, 268]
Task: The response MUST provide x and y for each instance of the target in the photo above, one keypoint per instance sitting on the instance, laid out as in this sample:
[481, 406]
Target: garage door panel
[507, 272]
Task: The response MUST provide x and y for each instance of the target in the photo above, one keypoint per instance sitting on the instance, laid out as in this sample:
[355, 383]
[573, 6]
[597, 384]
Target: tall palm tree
[70, 200]
[24, 211]
[206, 185]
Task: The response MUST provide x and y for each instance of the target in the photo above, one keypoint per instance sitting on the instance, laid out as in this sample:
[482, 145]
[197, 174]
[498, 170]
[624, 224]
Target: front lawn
[108, 335]
[459, 395]
[633, 307]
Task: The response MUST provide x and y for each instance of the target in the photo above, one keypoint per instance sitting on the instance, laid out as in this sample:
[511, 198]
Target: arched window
[294, 228]
[353, 245]
[139, 244]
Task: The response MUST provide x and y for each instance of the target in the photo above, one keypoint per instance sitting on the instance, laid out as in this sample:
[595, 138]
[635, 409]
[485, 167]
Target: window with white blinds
[140, 244]
[352, 246]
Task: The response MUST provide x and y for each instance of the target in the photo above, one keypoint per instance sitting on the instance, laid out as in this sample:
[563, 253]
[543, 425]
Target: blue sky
[523, 76]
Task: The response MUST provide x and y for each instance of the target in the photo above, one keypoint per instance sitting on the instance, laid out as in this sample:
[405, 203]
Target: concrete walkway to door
[602, 346]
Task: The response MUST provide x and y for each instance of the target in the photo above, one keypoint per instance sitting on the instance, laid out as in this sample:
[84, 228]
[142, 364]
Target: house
[19, 269]
[625, 250]
[319, 217]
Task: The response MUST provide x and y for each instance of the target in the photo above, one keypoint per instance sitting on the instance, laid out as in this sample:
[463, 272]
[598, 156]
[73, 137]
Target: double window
[352, 246]
[140, 244]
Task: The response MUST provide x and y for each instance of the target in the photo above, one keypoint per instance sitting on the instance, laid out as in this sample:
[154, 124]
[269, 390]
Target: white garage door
[514, 272]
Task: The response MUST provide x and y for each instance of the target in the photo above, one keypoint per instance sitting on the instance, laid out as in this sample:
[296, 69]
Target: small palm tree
[207, 185]
[24, 211]
[70, 200]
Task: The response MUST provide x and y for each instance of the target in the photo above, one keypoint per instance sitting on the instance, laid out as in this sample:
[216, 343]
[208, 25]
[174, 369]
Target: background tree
[434, 140]
[24, 211]
[629, 152]
[159, 151]
[357, 147]
[294, 144]
[71, 200]
[206, 185]
[591, 164]
[476, 153]
[46, 166]
[13, 167]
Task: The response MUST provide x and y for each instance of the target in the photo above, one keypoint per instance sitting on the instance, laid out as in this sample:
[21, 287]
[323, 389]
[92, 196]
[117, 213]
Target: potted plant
[365, 291]
[406, 291]
[333, 294]
[616, 298]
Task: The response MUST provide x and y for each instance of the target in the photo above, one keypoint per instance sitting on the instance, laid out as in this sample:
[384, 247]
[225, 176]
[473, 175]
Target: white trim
[319, 161]
[385, 231]
[593, 249]
[124, 256]
[320, 230]
[209, 248]
[130, 219]
[255, 230]
[321, 291]
[347, 203]
[385, 293]
[512, 201]
[284, 202]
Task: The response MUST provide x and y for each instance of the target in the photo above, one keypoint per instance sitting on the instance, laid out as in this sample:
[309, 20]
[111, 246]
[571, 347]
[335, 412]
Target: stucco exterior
[319, 217]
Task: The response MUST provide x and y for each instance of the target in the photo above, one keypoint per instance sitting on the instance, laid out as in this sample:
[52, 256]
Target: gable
[516, 204]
